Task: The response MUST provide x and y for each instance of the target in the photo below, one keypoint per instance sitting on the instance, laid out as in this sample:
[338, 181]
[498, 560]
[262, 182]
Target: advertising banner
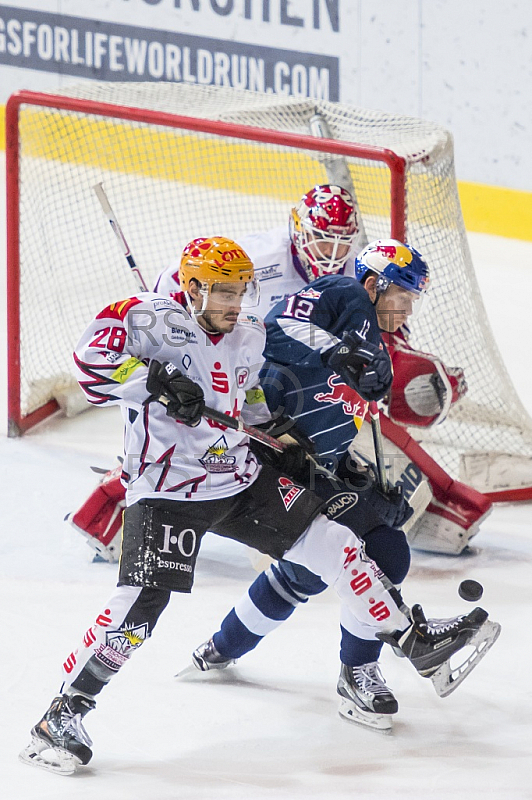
[261, 45]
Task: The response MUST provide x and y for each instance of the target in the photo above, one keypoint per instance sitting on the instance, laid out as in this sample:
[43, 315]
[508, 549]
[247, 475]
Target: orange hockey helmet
[216, 259]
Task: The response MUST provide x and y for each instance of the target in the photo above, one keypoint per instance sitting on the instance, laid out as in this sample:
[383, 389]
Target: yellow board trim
[496, 210]
[486, 209]
[126, 369]
[2, 127]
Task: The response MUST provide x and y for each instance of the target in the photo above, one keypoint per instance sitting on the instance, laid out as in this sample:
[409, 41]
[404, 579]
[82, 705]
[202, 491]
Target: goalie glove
[423, 388]
[182, 397]
[363, 366]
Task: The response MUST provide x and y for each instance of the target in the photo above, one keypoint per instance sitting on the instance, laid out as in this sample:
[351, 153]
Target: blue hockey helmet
[393, 262]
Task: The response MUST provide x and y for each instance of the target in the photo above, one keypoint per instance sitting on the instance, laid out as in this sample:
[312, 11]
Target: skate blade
[446, 678]
[59, 761]
[377, 722]
[191, 669]
[195, 669]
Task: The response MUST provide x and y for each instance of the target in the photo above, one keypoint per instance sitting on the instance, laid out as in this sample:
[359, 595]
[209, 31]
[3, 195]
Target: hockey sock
[389, 549]
[355, 651]
[270, 599]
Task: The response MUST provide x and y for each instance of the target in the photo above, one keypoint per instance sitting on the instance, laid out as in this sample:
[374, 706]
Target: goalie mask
[393, 262]
[323, 230]
[215, 261]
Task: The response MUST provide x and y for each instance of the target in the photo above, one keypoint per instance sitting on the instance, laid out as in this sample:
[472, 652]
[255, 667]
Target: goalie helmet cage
[235, 164]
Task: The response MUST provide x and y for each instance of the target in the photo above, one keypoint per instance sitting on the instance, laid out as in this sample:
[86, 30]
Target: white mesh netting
[169, 185]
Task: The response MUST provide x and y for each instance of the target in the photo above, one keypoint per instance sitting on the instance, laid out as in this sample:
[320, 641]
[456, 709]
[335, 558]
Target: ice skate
[59, 742]
[206, 657]
[365, 697]
[430, 644]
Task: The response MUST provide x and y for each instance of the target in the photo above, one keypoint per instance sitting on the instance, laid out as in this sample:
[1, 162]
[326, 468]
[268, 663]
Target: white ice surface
[271, 729]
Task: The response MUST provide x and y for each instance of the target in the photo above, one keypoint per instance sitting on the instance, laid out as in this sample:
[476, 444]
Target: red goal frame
[19, 423]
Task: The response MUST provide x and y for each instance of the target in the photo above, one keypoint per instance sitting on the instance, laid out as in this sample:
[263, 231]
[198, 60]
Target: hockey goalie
[447, 513]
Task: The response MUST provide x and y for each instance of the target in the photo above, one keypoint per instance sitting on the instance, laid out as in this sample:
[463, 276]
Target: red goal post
[180, 161]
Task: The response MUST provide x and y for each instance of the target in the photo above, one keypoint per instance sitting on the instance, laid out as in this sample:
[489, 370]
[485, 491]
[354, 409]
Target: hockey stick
[117, 230]
[236, 424]
[374, 414]
[337, 169]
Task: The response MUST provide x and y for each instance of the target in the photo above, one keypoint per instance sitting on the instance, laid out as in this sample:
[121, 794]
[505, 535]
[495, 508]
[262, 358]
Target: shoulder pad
[119, 309]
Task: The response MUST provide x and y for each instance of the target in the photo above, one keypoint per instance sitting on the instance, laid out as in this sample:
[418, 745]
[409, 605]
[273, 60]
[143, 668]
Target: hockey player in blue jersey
[313, 362]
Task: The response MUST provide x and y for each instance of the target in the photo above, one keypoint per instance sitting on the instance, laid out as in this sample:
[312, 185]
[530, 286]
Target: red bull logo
[341, 393]
[397, 254]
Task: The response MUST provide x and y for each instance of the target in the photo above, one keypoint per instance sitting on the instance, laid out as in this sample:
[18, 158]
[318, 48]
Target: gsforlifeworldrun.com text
[115, 52]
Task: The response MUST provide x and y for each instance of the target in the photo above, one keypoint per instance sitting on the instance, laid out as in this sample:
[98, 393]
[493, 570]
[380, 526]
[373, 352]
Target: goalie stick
[117, 230]
[337, 169]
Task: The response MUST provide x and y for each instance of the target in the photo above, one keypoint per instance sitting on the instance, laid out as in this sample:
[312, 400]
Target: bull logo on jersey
[342, 393]
[215, 460]
[311, 294]
[289, 492]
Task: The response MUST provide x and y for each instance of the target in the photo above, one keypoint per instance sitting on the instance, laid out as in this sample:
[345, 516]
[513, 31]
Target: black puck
[470, 590]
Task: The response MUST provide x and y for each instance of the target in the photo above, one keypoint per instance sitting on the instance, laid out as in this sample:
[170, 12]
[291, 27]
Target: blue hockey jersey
[296, 379]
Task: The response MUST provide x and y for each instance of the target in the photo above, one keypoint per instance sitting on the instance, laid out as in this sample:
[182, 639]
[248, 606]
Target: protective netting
[169, 185]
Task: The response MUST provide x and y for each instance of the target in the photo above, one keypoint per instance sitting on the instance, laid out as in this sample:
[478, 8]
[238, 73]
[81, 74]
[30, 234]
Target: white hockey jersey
[272, 258]
[165, 458]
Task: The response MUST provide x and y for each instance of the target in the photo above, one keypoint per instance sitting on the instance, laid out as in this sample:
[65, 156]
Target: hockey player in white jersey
[165, 363]
[323, 238]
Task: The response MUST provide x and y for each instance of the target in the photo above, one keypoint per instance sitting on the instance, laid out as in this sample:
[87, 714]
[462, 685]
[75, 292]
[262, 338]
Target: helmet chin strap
[190, 302]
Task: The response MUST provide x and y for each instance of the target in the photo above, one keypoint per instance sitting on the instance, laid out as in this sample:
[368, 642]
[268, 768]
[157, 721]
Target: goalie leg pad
[451, 520]
[99, 519]
[434, 532]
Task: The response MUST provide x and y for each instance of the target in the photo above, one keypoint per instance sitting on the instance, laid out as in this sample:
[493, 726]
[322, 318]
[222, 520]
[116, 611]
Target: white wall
[464, 63]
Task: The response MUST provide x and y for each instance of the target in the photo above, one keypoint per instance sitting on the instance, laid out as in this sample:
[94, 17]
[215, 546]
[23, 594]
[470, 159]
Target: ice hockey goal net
[179, 161]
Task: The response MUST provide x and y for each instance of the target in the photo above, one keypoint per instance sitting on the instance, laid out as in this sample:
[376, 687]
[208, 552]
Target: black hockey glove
[383, 508]
[362, 365]
[293, 459]
[392, 507]
[182, 397]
